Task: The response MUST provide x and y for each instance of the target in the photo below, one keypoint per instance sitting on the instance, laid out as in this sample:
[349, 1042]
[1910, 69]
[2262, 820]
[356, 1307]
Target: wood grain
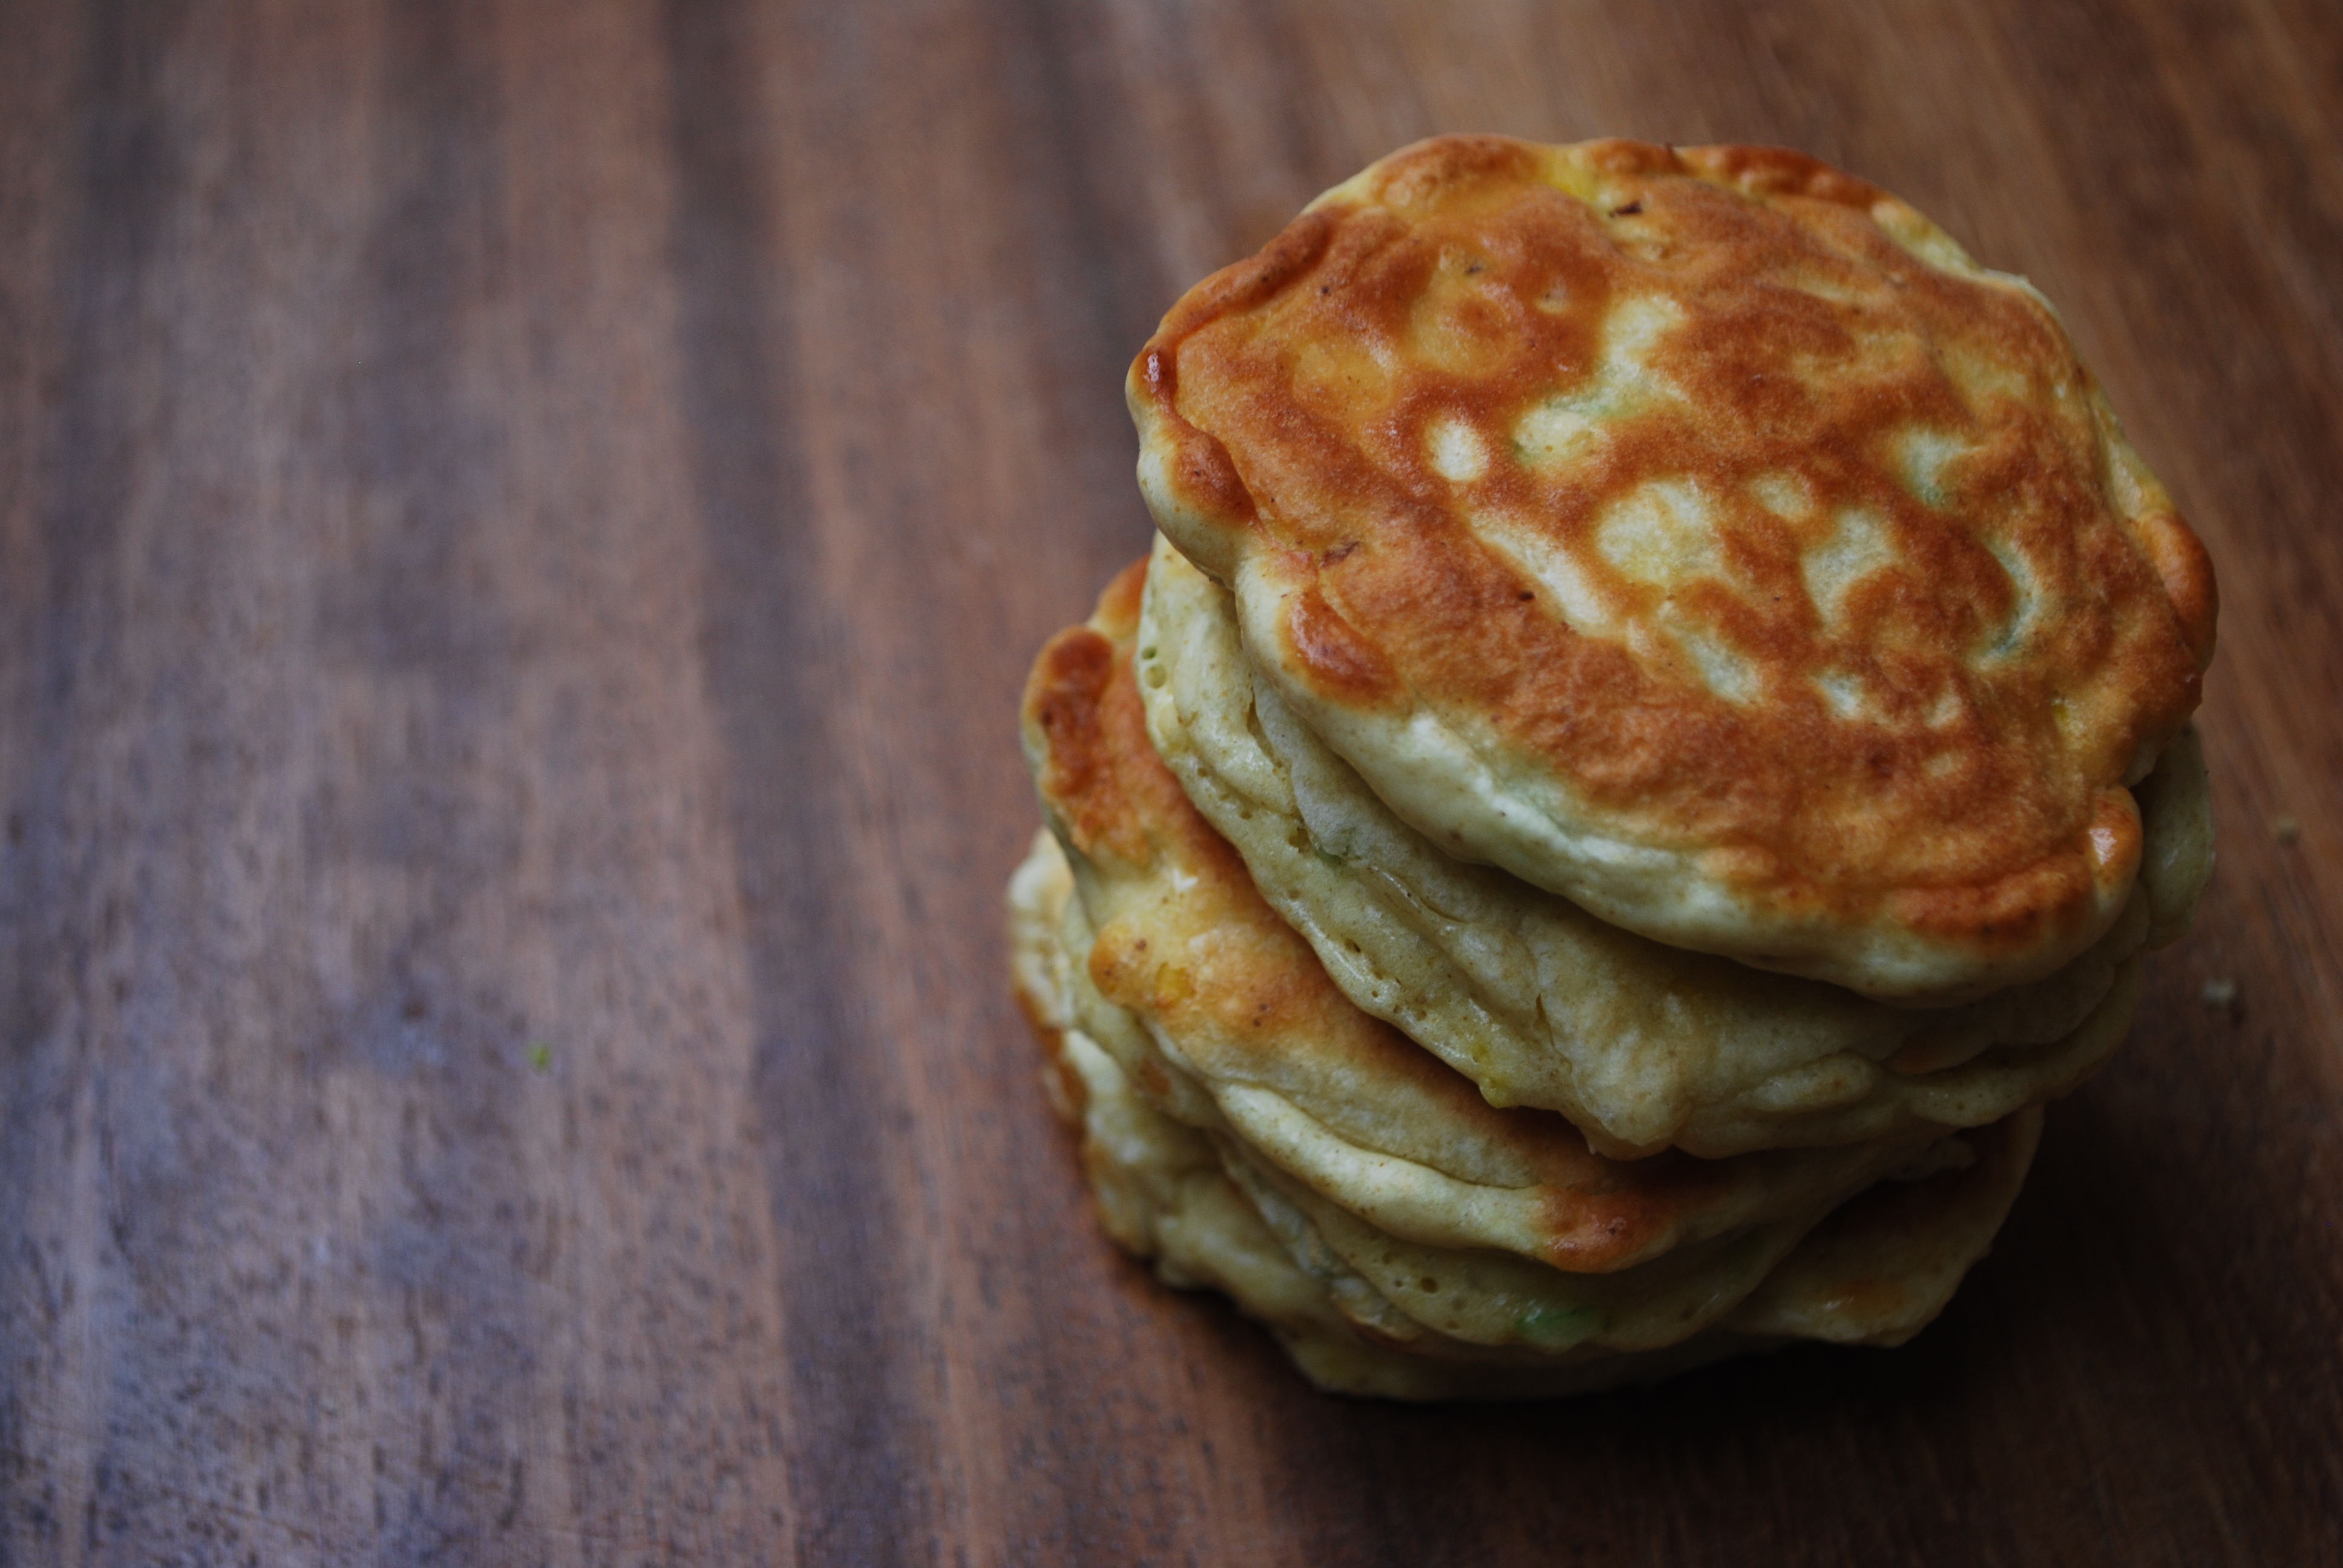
[520, 527]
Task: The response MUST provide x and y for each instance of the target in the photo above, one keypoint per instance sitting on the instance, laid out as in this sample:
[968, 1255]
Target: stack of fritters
[1653, 739]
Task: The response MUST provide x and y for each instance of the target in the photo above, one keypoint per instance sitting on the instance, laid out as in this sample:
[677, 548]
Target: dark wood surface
[521, 526]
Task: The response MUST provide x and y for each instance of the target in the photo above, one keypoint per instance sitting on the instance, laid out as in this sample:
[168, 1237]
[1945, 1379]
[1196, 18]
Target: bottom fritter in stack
[1449, 1135]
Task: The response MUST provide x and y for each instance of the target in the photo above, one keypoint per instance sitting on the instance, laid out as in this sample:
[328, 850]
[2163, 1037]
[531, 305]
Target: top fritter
[1700, 534]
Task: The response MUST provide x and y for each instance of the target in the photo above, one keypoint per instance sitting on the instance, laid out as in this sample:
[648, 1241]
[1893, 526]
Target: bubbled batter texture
[1700, 535]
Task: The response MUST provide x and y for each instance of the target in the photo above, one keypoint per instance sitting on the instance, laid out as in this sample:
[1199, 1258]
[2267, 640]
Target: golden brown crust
[1217, 963]
[1338, 660]
[1928, 614]
[1061, 702]
[2186, 572]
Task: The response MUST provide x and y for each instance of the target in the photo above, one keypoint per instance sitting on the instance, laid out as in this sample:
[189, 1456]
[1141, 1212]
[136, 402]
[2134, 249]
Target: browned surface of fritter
[1217, 969]
[1975, 798]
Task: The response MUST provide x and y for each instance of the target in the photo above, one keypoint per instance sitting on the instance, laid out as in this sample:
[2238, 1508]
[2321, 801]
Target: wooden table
[521, 526]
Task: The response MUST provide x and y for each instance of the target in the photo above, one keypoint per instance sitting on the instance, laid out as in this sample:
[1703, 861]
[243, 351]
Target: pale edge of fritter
[1162, 1193]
